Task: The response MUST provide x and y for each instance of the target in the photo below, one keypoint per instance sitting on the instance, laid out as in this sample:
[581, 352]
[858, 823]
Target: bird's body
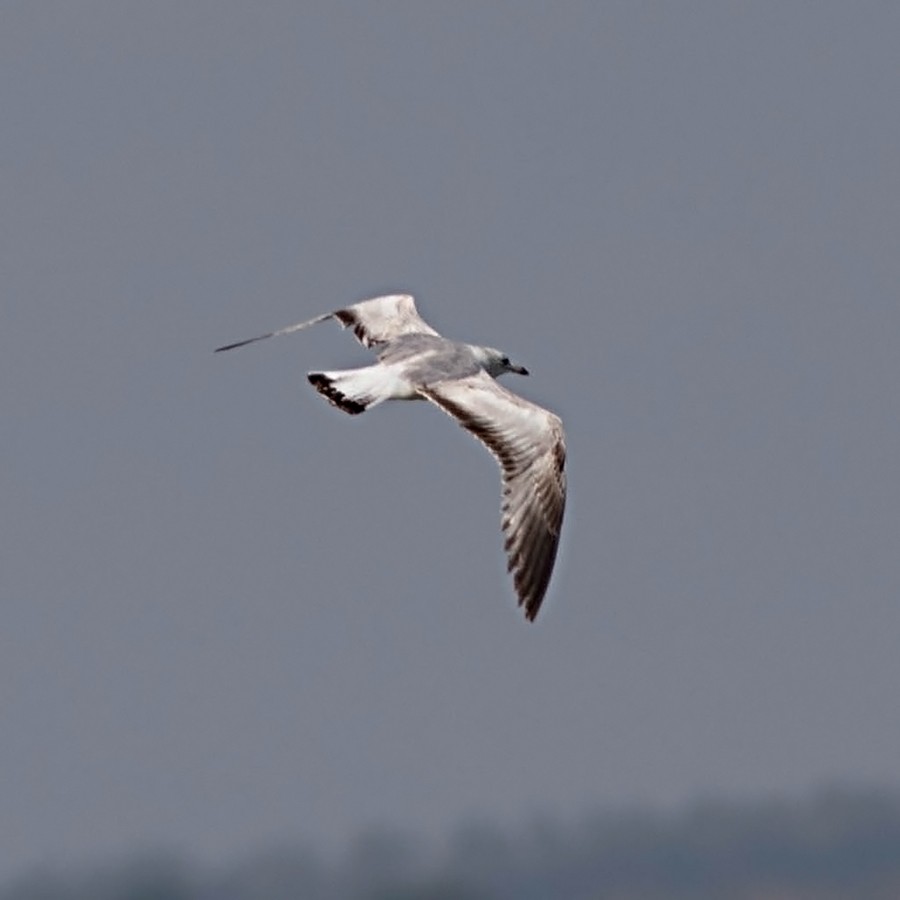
[414, 362]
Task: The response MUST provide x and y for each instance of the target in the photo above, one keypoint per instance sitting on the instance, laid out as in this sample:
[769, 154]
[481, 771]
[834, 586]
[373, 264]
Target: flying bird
[528, 441]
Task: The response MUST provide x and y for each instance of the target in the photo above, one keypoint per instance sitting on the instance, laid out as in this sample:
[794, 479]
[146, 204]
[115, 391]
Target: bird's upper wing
[530, 445]
[375, 321]
[382, 319]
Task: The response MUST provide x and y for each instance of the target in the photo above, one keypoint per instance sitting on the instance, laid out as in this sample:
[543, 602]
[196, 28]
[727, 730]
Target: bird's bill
[519, 370]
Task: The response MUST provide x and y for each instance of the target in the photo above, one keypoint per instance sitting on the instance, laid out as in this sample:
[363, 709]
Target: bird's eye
[505, 360]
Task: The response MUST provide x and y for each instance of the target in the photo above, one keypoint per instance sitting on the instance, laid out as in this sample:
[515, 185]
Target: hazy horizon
[834, 842]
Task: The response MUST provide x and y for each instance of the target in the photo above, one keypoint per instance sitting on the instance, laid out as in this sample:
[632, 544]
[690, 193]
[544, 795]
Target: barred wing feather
[528, 442]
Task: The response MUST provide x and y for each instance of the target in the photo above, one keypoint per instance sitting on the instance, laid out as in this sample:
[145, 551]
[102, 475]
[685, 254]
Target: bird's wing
[529, 443]
[375, 321]
[380, 320]
[287, 330]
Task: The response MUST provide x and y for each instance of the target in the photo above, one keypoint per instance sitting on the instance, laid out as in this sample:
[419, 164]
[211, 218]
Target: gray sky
[231, 613]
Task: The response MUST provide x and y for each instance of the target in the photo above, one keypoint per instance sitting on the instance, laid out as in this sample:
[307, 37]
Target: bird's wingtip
[244, 343]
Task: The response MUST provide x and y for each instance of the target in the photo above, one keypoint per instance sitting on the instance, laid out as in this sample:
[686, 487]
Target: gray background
[231, 614]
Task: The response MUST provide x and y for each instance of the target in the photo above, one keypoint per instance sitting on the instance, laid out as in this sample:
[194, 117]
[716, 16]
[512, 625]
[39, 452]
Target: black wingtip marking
[241, 343]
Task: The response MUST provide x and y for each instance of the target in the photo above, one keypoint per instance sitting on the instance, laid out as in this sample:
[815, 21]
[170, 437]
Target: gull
[528, 441]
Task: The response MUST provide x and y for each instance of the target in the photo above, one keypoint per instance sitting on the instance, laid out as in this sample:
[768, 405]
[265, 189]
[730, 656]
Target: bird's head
[496, 362]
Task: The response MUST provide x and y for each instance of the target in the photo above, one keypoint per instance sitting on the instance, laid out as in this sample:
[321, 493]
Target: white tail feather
[354, 390]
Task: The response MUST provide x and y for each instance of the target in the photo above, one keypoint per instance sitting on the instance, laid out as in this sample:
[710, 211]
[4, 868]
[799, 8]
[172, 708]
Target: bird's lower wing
[528, 442]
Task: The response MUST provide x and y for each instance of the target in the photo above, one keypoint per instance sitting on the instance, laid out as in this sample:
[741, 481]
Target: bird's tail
[353, 390]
